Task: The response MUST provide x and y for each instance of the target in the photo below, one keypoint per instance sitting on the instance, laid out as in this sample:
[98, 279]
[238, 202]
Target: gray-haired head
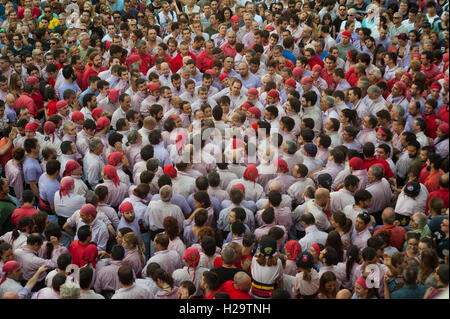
[373, 89]
[94, 143]
[133, 136]
[166, 193]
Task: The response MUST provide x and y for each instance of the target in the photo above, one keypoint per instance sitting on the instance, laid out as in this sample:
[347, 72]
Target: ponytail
[307, 274]
[352, 255]
[348, 225]
[49, 250]
[14, 235]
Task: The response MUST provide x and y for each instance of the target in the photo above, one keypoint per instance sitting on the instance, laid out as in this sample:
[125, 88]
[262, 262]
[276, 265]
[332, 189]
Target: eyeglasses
[47, 11]
[71, 42]
[351, 15]
[140, 16]
[52, 43]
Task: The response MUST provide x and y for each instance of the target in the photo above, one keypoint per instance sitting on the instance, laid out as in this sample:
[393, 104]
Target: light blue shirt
[66, 85]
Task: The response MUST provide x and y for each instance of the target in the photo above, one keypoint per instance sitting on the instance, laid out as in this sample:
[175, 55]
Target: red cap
[270, 28]
[170, 170]
[443, 128]
[401, 86]
[126, 207]
[115, 158]
[32, 80]
[253, 91]
[435, 85]
[297, 71]
[274, 94]
[153, 86]
[291, 82]
[77, 116]
[416, 55]
[306, 80]
[240, 186]
[49, 127]
[60, 104]
[234, 18]
[223, 76]
[317, 68]
[410, 77]
[211, 72]
[255, 111]
[113, 95]
[282, 165]
[97, 112]
[33, 126]
[347, 33]
[102, 122]
[245, 105]
[89, 209]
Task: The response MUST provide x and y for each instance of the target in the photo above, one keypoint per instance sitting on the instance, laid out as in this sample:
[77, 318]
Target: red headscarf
[70, 167]
[8, 267]
[181, 140]
[126, 207]
[170, 170]
[192, 257]
[255, 111]
[102, 122]
[316, 247]
[282, 165]
[251, 173]
[240, 186]
[65, 185]
[357, 164]
[49, 129]
[96, 113]
[111, 172]
[362, 282]
[89, 209]
[115, 158]
[77, 116]
[31, 127]
[294, 248]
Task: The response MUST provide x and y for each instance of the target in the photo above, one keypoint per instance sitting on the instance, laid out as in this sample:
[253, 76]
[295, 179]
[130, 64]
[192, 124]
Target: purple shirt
[136, 291]
[31, 170]
[106, 278]
[30, 262]
[162, 154]
[116, 193]
[47, 188]
[169, 260]
[46, 293]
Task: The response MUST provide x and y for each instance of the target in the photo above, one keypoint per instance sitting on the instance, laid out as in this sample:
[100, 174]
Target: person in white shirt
[344, 196]
[312, 234]
[129, 288]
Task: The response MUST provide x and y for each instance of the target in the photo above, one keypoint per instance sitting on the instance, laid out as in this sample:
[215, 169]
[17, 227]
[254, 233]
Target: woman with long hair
[350, 265]
[334, 240]
[326, 20]
[51, 248]
[378, 57]
[225, 15]
[134, 256]
[342, 225]
[15, 85]
[17, 238]
[352, 60]
[166, 284]
[327, 286]
[347, 117]
[172, 230]
[307, 281]
[267, 269]
[428, 264]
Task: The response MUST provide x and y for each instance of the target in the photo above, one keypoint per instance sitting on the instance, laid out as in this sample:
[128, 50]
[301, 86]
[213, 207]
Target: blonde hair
[132, 240]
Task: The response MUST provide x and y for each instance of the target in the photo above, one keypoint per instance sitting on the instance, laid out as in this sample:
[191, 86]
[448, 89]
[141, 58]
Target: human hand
[42, 269]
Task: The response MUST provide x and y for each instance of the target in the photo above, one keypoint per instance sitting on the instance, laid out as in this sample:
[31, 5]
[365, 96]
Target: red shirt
[233, 292]
[51, 82]
[431, 72]
[441, 193]
[24, 211]
[76, 249]
[432, 181]
[80, 74]
[89, 71]
[146, 62]
[387, 169]
[38, 99]
[228, 50]
[397, 235]
[431, 129]
[27, 101]
[8, 155]
[51, 108]
[328, 77]
[444, 114]
[210, 296]
[177, 62]
[315, 60]
[204, 61]
[351, 77]
[424, 173]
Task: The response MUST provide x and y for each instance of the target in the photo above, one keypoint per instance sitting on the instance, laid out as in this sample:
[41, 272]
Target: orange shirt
[432, 181]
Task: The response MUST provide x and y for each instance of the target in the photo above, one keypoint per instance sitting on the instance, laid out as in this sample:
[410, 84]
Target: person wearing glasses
[18, 47]
[53, 20]
[397, 28]
[351, 16]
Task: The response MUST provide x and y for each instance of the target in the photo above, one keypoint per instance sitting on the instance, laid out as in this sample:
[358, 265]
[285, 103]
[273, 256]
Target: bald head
[388, 216]
[10, 295]
[275, 186]
[344, 294]
[242, 281]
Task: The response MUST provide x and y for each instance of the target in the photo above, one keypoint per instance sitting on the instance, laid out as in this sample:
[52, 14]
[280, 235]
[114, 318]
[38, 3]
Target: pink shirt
[285, 180]
[14, 174]
[46, 293]
[136, 291]
[55, 252]
[359, 239]
[30, 262]
[133, 153]
[169, 260]
[133, 259]
[106, 278]
[381, 195]
[178, 246]
[116, 193]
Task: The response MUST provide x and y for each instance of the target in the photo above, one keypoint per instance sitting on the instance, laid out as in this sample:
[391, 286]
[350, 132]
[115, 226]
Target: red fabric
[444, 114]
[218, 262]
[51, 108]
[111, 172]
[80, 74]
[351, 77]
[387, 169]
[35, 13]
[89, 71]
[211, 295]
[24, 211]
[441, 193]
[432, 181]
[431, 72]
[314, 61]
[424, 173]
[70, 167]
[90, 255]
[233, 292]
[328, 77]
[397, 235]
[177, 62]
[52, 82]
[126, 207]
[204, 61]
[146, 61]
[227, 50]
[38, 99]
[27, 101]
[8, 155]
[77, 249]
[431, 128]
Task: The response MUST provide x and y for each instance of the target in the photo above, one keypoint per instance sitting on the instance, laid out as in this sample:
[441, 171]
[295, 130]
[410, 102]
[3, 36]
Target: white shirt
[312, 236]
[67, 205]
[158, 210]
[341, 199]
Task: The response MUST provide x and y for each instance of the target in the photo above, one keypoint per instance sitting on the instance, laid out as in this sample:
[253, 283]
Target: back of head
[117, 252]
[410, 275]
[126, 276]
[228, 255]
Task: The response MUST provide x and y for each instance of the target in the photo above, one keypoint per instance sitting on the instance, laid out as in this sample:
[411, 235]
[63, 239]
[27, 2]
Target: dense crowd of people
[224, 149]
